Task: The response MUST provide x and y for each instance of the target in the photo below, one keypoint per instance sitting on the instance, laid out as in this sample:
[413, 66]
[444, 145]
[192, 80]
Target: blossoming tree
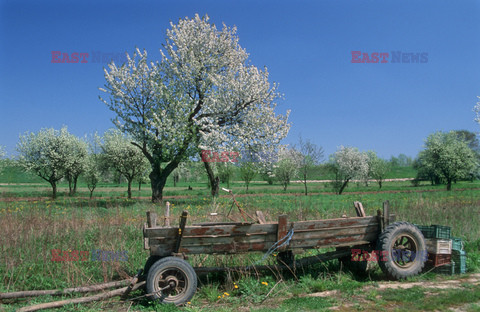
[203, 94]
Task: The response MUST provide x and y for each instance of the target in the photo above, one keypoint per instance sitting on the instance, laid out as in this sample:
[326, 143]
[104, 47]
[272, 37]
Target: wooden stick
[167, 214]
[56, 292]
[57, 304]
[181, 229]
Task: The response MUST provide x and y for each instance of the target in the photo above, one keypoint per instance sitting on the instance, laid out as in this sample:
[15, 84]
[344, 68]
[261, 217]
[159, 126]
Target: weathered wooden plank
[334, 223]
[235, 229]
[334, 233]
[226, 248]
[260, 217]
[282, 231]
[334, 241]
[195, 241]
[151, 219]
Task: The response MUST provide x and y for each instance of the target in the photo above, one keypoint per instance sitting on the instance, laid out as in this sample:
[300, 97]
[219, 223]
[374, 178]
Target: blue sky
[307, 46]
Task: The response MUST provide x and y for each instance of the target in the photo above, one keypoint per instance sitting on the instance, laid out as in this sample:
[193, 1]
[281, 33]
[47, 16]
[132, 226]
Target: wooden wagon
[171, 279]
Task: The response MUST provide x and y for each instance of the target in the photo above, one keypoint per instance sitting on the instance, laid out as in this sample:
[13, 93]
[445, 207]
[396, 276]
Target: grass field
[33, 225]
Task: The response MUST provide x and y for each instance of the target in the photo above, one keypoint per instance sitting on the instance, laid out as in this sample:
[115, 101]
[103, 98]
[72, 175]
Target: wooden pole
[167, 214]
[57, 304]
[56, 292]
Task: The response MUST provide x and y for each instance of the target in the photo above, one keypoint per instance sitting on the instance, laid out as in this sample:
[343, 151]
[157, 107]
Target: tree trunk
[129, 190]
[380, 183]
[158, 179]
[344, 185]
[449, 185]
[214, 181]
[75, 179]
[54, 189]
[305, 182]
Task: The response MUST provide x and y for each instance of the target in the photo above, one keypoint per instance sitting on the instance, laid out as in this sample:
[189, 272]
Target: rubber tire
[172, 263]
[385, 243]
[150, 262]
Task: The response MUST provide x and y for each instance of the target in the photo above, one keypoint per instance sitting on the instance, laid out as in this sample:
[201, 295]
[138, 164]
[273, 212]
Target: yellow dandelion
[265, 283]
[226, 294]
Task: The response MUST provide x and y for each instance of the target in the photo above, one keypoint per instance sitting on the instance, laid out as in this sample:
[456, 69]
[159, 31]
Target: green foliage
[446, 157]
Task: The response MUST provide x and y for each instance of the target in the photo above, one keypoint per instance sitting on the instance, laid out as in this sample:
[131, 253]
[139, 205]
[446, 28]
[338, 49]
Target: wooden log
[56, 292]
[57, 304]
[132, 284]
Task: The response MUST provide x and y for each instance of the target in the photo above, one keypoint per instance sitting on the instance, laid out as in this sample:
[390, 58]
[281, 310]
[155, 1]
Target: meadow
[33, 225]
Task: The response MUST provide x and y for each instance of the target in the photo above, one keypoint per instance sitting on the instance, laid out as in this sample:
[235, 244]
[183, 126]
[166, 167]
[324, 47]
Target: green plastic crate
[435, 231]
[457, 243]
[460, 258]
[442, 231]
[426, 230]
[448, 269]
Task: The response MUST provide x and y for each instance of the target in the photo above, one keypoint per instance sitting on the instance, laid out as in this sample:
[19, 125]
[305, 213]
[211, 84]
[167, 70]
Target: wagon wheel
[150, 262]
[172, 280]
[403, 250]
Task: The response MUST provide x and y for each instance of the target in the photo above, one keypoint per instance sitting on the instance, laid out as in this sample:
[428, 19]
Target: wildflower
[265, 283]
[226, 294]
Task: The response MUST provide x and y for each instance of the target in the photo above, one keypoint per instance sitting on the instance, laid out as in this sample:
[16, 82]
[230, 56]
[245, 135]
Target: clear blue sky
[306, 45]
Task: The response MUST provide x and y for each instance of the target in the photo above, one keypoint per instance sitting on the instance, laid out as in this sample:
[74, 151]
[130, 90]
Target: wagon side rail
[232, 238]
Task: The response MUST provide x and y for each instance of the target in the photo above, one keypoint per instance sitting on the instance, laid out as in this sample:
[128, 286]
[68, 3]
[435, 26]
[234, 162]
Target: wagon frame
[171, 279]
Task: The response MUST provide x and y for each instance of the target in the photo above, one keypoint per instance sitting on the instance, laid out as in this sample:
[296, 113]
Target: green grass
[32, 225]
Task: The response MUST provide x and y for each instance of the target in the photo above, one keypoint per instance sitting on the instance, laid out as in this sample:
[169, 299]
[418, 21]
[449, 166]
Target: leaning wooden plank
[56, 292]
[58, 304]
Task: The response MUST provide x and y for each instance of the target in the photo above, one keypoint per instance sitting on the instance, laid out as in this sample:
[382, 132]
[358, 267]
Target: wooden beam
[181, 230]
[151, 219]
[282, 231]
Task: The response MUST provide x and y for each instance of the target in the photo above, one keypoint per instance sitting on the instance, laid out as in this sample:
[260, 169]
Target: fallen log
[58, 304]
[56, 292]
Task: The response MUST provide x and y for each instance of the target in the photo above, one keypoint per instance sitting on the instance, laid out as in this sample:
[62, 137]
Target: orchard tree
[46, 154]
[75, 166]
[378, 168]
[288, 164]
[94, 165]
[122, 156]
[226, 170]
[448, 157]
[349, 163]
[203, 94]
[248, 171]
[311, 156]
